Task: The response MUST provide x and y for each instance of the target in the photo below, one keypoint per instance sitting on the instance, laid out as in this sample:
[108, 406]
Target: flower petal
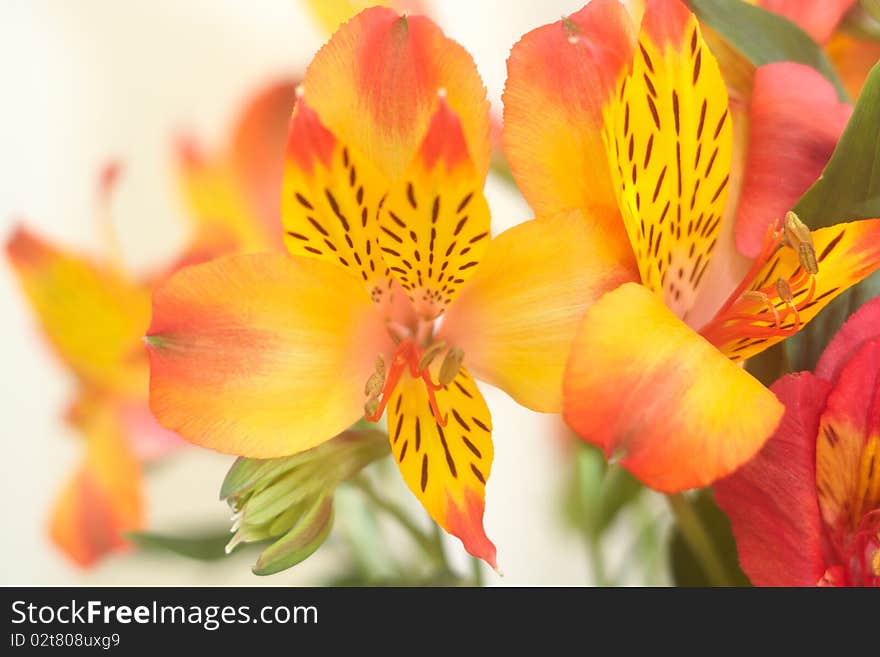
[516, 318]
[446, 467]
[795, 121]
[92, 315]
[862, 326]
[771, 501]
[818, 18]
[559, 77]
[848, 446]
[669, 141]
[643, 386]
[853, 59]
[434, 223]
[374, 85]
[258, 153]
[331, 197]
[103, 499]
[846, 253]
[235, 189]
[262, 355]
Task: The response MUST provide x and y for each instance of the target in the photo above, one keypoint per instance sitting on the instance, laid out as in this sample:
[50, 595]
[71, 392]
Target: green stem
[427, 543]
[597, 559]
[477, 572]
[698, 539]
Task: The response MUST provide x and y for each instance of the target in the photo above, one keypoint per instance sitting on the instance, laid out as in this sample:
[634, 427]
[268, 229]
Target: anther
[757, 296]
[430, 354]
[377, 379]
[784, 291]
[451, 366]
[799, 238]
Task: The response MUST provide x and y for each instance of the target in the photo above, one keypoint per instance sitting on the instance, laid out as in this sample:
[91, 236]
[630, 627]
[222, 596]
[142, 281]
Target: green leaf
[848, 189]
[205, 546]
[685, 566]
[763, 37]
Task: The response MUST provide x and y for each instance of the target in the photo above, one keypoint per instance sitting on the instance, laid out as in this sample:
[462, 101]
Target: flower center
[415, 351]
[767, 307]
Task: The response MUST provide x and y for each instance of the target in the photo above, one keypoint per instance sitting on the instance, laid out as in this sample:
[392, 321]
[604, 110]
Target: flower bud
[289, 500]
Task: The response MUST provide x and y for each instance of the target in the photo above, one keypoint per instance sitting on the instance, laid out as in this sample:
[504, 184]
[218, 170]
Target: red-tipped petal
[861, 327]
[772, 502]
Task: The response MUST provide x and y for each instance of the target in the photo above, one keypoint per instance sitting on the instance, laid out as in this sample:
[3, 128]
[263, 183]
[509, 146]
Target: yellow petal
[669, 142]
[446, 467]
[747, 325]
[644, 387]
[92, 315]
[104, 498]
[516, 318]
[330, 200]
[262, 355]
[375, 82]
[434, 223]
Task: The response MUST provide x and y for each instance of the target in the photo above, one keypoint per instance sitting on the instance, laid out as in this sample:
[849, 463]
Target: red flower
[806, 510]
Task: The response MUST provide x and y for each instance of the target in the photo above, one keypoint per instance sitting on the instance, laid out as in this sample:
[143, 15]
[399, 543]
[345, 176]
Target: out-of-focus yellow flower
[93, 315]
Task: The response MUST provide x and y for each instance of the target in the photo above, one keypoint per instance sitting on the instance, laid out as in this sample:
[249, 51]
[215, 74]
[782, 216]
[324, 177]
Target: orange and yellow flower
[93, 314]
[635, 135]
[388, 233]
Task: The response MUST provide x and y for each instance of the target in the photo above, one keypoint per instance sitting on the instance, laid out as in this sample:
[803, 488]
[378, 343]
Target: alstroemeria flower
[806, 510]
[93, 315]
[384, 215]
[637, 136]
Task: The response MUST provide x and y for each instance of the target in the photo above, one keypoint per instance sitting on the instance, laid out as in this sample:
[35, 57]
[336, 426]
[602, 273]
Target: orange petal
[92, 315]
[795, 121]
[853, 59]
[375, 82]
[559, 77]
[331, 197]
[646, 388]
[818, 18]
[446, 467]
[102, 500]
[669, 141]
[434, 223]
[516, 318]
[236, 189]
[848, 446]
[258, 154]
[262, 355]
[846, 254]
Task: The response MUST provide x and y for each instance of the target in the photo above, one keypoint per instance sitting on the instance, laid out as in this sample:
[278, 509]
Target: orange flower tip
[188, 151]
[109, 177]
[24, 248]
[444, 141]
[467, 524]
[665, 21]
[308, 141]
